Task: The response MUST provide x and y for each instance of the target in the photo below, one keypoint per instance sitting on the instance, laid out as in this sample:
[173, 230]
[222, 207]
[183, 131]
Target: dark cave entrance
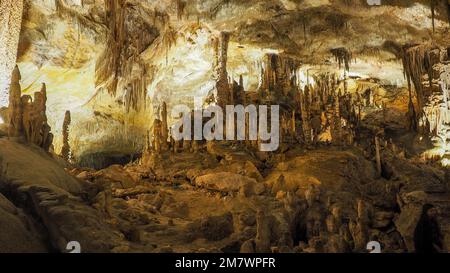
[100, 161]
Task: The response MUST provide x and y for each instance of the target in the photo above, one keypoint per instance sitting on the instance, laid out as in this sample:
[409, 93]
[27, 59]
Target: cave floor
[223, 198]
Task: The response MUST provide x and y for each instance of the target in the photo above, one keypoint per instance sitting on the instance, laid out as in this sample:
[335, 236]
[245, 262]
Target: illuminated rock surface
[364, 122]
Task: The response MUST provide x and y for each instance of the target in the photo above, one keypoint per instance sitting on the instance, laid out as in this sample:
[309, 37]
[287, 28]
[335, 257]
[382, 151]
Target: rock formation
[28, 118]
[65, 150]
[10, 23]
[364, 116]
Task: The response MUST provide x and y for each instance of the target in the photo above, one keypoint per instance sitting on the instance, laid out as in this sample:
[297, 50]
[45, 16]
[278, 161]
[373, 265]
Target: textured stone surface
[10, 25]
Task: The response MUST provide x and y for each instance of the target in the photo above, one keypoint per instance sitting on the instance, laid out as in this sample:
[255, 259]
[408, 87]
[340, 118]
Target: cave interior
[88, 146]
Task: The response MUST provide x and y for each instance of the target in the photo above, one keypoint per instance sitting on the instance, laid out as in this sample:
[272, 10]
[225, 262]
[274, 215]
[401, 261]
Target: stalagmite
[15, 105]
[28, 118]
[222, 85]
[65, 150]
[27, 110]
[157, 137]
[164, 126]
[336, 120]
[378, 155]
[306, 124]
[39, 132]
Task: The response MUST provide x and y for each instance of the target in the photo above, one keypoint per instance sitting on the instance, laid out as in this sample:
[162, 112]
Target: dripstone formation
[27, 115]
[363, 157]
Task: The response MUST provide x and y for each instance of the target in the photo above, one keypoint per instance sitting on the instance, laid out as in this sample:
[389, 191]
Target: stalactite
[417, 61]
[120, 67]
[135, 96]
[85, 20]
[168, 40]
[109, 64]
[65, 150]
[181, 8]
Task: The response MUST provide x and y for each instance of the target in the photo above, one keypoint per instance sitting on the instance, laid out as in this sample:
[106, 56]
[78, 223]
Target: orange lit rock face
[364, 114]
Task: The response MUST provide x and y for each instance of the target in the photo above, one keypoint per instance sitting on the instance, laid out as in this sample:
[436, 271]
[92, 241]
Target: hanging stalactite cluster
[86, 20]
[135, 97]
[181, 9]
[426, 68]
[120, 66]
[343, 56]
[337, 21]
[418, 60]
[109, 64]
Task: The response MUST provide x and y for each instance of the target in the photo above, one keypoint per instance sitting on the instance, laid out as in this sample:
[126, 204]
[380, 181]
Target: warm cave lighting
[225, 127]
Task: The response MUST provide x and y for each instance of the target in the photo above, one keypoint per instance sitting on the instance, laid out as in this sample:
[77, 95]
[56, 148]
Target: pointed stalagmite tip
[44, 88]
[16, 77]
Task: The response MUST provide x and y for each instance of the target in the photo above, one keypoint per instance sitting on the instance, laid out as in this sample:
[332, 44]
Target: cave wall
[10, 23]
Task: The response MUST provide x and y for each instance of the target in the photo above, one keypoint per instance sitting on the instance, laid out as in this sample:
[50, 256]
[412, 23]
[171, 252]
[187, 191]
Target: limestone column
[222, 84]
[10, 24]
[15, 108]
[378, 155]
[164, 126]
[65, 151]
[157, 125]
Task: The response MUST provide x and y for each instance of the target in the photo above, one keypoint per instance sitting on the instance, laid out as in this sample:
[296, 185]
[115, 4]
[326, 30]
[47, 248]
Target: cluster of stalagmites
[27, 117]
[324, 228]
[324, 112]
